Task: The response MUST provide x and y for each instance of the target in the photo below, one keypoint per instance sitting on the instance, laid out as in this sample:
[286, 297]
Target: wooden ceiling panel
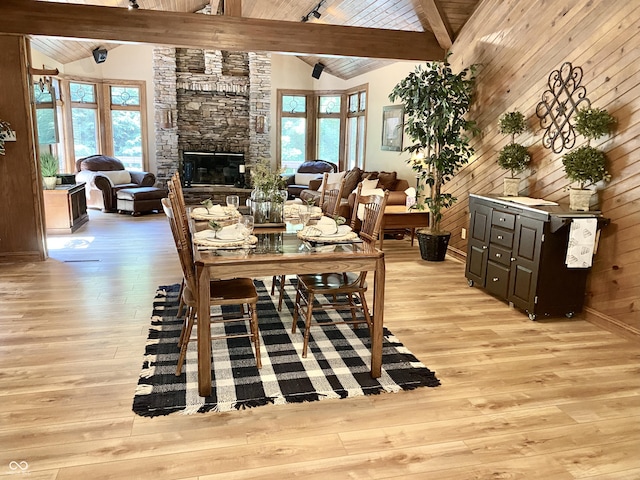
[407, 15]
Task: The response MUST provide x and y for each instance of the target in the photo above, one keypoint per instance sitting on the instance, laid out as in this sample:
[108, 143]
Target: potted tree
[48, 170]
[436, 101]
[513, 157]
[586, 165]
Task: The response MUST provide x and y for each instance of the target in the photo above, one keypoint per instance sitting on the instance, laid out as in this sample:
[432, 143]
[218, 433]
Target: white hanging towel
[582, 242]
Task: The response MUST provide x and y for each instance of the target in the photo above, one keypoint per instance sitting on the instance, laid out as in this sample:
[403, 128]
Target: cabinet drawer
[497, 279]
[503, 219]
[500, 255]
[501, 237]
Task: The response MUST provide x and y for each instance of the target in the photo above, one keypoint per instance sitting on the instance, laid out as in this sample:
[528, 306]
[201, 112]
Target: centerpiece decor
[268, 195]
[513, 157]
[586, 165]
[436, 102]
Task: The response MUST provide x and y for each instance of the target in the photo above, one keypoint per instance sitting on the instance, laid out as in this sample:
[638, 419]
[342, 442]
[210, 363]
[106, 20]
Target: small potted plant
[586, 165]
[49, 169]
[436, 102]
[5, 130]
[513, 157]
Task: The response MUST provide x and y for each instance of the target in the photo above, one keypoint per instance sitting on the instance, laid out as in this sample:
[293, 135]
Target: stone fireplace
[210, 101]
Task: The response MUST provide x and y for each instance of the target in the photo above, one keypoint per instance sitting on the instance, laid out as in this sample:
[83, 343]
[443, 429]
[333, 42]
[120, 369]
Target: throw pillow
[333, 179]
[351, 180]
[305, 178]
[367, 186]
[387, 180]
[117, 177]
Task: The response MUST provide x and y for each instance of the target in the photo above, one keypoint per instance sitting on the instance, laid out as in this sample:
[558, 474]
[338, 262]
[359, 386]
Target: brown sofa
[306, 171]
[104, 176]
[386, 181]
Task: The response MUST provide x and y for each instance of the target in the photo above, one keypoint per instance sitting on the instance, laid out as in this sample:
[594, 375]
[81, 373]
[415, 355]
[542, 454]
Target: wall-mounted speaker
[317, 70]
[100, 55]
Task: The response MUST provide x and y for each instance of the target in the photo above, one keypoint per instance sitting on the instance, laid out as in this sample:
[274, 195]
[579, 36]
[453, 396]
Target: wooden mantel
[219, 32]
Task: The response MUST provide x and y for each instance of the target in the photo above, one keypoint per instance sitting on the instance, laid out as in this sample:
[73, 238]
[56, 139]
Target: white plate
[342, 231]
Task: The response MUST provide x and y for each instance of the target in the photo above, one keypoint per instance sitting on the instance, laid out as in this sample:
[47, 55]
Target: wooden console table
[65, 208]
[397, 216]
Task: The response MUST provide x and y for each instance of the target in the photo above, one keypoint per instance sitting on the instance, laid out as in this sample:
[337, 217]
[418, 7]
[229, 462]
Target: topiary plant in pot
[586, 165]
[513, 157]
[436, 101]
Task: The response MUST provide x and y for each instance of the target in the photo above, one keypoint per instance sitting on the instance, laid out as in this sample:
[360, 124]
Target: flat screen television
[212, 168]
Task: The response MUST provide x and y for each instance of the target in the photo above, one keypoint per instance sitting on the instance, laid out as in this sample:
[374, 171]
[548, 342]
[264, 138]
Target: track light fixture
[133, 5]
[313, 13]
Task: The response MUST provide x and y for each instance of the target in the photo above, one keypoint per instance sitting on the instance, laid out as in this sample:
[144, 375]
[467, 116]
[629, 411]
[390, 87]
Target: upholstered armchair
[104, 176]
[308, 172]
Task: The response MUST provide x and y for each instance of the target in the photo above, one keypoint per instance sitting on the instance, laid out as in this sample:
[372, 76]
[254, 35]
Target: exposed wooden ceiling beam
[438, 23]
[30, 17]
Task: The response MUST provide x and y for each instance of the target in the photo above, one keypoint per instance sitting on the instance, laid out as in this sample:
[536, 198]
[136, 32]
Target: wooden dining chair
[239, 293]
[180, 210]
[166, 207]
[330, 198]
[345, 287]
[174, 185]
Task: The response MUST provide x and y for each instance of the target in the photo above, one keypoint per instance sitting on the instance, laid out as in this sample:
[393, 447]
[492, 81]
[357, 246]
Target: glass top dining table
[279, 251]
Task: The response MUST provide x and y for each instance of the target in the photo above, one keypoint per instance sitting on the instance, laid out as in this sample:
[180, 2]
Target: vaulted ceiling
[444, 18]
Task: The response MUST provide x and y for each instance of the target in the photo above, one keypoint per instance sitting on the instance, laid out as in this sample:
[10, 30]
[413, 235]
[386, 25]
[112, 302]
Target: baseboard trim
[591, 315]
[611, 324]
[457, 254]
[21, 257]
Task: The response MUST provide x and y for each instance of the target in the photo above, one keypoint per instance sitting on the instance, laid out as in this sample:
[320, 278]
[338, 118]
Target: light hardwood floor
[553, 399]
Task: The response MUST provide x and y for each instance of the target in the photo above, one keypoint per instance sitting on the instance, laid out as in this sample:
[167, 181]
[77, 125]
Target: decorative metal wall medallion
[559, 103]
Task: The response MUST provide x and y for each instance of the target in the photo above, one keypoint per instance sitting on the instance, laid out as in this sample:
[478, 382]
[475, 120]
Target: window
[84, 119]
[46, 96]
[316, 125]
[45, 100]
[293, 132]
[356, 128]
[329, 121]
[126, 126]
[109, 118]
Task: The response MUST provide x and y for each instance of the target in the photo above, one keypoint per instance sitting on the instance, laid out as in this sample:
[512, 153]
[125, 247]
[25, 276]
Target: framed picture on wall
[392, 127]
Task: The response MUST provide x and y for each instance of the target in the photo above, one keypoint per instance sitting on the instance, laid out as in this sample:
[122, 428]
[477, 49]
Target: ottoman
[140, 199]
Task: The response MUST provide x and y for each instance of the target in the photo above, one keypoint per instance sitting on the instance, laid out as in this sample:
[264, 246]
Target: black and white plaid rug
[337, 365]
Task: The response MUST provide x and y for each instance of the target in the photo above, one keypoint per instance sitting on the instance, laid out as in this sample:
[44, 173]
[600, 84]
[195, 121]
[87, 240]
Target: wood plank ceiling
[444, 18]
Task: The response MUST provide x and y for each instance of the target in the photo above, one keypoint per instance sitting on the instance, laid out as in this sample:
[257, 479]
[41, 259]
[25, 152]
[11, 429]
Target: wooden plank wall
[22, 235]
[516, 45]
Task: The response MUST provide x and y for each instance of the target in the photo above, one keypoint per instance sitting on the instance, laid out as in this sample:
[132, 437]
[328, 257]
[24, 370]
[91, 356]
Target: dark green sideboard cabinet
[517, 252]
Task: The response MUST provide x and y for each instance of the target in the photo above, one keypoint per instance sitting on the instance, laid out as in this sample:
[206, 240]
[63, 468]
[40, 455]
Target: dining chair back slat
[369, 211]
[331, 196]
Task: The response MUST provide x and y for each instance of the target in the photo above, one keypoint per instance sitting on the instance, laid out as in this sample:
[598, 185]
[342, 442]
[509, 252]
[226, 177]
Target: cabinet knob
[484, 247]
[495, 279]
[513, 259]
[502, 219]
[498, 255]
[500, 237]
